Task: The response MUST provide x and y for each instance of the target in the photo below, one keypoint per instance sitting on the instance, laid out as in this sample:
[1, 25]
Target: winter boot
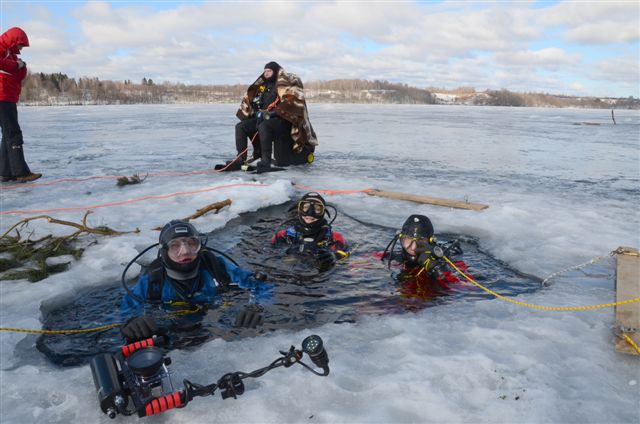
[264, 164]
[28, 178]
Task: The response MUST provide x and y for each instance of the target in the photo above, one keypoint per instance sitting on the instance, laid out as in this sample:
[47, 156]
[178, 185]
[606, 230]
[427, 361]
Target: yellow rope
[499, 296]
[631, 342]
[425, 266]
[531, 305]
[196, 310]
[359, 262]
[629, 251]
[83, 330]
[343, 255]
[101, 328]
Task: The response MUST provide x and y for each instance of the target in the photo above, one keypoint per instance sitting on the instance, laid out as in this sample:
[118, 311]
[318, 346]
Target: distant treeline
[59, 89]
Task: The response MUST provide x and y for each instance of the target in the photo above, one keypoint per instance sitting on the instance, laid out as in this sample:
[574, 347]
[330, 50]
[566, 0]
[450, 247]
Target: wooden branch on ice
[82, 228]
[217, 206]
[23, 258]
[199, 212]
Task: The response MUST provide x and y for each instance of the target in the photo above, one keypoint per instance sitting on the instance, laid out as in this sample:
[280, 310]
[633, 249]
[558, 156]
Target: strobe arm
[136, 379]
[231, 385]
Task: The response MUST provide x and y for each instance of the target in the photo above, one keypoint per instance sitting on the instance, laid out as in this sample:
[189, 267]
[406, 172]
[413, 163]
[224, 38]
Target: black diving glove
[326, 258]
[250, 316]
[452, 248]
[260, 276]
[139, 328]
[424, 252]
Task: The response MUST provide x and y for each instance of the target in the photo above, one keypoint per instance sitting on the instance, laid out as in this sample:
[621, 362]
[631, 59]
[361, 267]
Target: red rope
[274, 103]
[334, 192]
[128, 201]
[113, 177]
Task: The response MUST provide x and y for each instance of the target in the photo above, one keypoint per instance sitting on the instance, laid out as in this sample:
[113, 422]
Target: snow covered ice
[559, 195]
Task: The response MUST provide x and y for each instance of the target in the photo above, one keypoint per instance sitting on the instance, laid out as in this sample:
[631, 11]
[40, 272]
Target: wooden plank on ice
[428, 200]
[628, 287]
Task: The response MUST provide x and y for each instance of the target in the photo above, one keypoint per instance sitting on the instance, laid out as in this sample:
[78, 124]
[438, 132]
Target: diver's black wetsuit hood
[275, 67]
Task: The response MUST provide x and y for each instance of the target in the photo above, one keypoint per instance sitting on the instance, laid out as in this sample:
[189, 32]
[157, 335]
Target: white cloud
[618, 69]
[445, 44]
[596, 22]
[549, 58]
[605, 32]
[577, 86]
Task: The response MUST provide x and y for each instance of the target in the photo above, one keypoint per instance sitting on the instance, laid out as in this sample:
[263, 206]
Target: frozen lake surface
[559, 193]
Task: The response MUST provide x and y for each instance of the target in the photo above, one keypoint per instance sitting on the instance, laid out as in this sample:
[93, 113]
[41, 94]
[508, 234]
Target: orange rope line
[239, 154]
[64, 180]
[164, 196]
[128, 201]
[113, 177]
[274, 103]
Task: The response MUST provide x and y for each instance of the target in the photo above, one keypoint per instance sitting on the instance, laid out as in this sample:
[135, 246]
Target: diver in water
[185, 274]
[312, 233]
[424, 271]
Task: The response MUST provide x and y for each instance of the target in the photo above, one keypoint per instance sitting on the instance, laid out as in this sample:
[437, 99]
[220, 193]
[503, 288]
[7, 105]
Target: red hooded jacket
[10, 76]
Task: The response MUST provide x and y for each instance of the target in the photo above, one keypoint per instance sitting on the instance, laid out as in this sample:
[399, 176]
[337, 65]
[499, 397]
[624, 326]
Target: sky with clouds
[559, 47]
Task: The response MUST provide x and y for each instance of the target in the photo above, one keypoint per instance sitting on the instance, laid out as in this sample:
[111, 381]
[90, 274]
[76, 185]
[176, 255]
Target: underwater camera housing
[136, 374]
[136, 379]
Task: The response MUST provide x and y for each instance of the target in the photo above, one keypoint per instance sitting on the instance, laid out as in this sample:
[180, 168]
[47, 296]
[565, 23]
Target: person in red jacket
[312, 235]
[12, 71]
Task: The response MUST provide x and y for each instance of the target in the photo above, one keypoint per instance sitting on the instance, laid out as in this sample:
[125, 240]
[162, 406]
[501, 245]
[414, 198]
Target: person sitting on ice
[185, 276]
[273, 115]
[312, 234]
[424, 272]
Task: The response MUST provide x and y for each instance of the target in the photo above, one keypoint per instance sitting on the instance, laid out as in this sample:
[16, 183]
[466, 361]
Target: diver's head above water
[415, 236]
[180, 244]
[311, 211]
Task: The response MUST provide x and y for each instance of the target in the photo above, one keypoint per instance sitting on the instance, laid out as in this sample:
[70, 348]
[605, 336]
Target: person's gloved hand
[453, 248]
[260, 276]
[423, 251]
[250, 316]
[139, 328]
[21, 63]
[326, 258]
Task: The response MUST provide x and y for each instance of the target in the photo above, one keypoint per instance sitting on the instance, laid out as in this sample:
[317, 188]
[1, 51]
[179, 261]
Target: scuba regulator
[136, 379]
[419, 246]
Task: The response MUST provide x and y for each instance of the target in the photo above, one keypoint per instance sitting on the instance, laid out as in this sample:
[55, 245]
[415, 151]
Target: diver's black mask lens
[311, 208]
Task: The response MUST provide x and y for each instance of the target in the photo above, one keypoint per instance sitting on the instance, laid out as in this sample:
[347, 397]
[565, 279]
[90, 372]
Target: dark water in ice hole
[302, 296]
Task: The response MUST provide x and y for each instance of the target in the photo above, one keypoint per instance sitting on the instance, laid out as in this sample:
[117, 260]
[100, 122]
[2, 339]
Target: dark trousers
[275, 136]
[245, 130]
[12, 163]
